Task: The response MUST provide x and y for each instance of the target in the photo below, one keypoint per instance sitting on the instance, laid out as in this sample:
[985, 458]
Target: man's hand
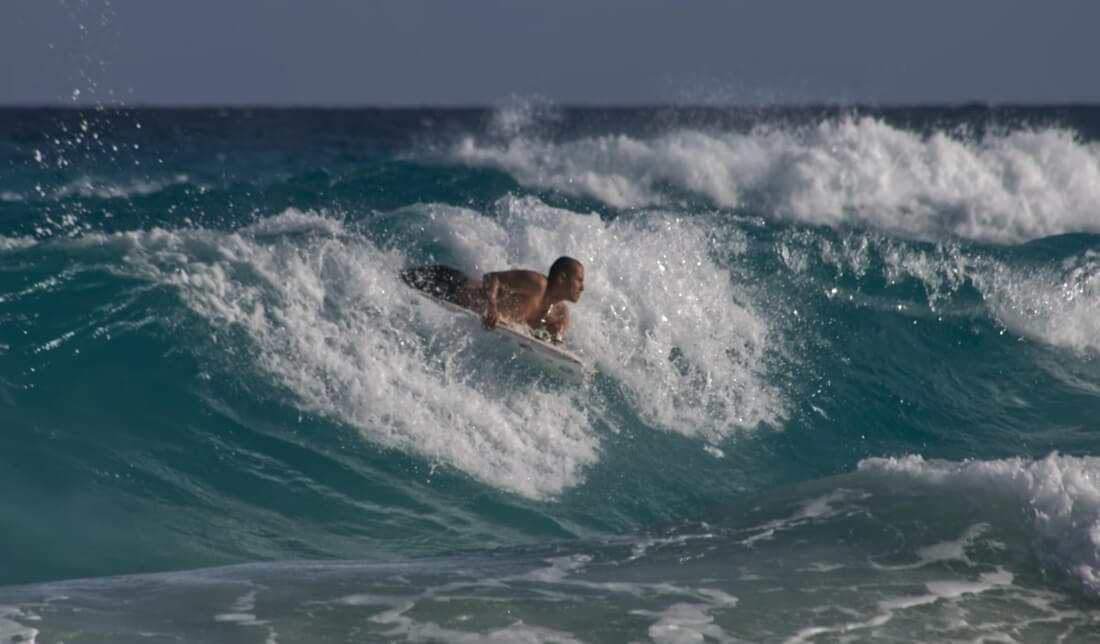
[492, 315]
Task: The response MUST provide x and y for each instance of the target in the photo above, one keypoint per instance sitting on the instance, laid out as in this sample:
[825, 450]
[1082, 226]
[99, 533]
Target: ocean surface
[844, 378]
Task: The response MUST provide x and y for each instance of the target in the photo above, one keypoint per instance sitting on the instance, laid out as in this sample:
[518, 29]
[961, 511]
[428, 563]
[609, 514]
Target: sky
[568, 52]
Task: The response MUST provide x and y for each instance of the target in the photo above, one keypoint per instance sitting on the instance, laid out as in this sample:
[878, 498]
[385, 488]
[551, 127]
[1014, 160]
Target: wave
[330, 322]
[1047, 296]
[660, 314]
[1055, 303]
[845, 556]
[106, 188]
[16, 243]
[206, 377]
[326, 318]
[1060, 494]
[293, 220]
[1002, 188]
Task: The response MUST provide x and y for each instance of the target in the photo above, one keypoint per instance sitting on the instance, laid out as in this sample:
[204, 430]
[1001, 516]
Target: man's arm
[557, 322]
[492, 312]
[513, 284]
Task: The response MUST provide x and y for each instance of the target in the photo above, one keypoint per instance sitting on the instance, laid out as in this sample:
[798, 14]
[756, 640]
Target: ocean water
[844, 383]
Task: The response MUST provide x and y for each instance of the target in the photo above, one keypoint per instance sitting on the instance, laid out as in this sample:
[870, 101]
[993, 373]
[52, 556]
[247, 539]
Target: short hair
[565, 265]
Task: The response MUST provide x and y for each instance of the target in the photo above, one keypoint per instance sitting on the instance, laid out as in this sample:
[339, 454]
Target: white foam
[293, 220]
[104, 188]
[658, 313]
[17, 243]
[1003, 187]
[329, 319]
[641, 547]
[684, 623]
[1061, 493]
[520, 115]
[12, 630]
[688, 618]
[954, 589]
[242, 614]
[1057, 304]
[953, 550]
[825, 506]
[242, 611]
[412, 630]
[889, 609]
[839, 502]
[677, 332]
[681, 621]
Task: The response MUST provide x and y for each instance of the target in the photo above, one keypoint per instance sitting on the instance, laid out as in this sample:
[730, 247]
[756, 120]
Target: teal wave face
[878, 553]
[207, 357]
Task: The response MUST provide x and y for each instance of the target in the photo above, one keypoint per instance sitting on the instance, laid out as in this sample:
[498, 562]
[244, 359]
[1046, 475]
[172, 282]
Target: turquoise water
[844, 376]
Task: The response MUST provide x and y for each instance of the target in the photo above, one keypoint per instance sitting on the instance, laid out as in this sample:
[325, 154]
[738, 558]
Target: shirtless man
[508, 296]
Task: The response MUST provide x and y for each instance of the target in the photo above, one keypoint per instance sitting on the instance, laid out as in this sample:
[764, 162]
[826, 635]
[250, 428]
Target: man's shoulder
[521, 272]
[521, 276]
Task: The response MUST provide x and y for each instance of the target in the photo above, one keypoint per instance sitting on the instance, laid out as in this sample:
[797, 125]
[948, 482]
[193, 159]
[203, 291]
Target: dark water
[844, 376]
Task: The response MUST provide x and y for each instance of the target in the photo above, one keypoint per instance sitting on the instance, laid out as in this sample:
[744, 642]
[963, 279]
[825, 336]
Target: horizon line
[31, 105]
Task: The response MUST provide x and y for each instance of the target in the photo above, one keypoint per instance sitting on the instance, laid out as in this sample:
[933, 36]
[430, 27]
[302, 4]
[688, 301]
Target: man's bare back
[509, 297]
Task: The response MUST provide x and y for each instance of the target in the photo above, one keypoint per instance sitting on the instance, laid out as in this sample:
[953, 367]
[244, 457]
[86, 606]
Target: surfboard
[564, 360]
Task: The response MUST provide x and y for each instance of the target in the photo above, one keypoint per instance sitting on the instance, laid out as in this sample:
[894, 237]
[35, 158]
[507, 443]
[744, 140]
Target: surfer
[515, 296]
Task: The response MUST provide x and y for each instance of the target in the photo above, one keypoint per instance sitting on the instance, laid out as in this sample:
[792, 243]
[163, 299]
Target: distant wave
[1061, 495]
[16, 243]
[293, 220]
[106, 188]
[1054, 302]
[1007, 187]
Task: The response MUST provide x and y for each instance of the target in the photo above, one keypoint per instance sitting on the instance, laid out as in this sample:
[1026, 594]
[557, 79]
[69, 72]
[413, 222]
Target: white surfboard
[564, 360]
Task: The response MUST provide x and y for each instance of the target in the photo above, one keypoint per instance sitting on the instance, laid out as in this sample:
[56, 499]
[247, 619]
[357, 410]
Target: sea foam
[16, 243]
[1056, 303]
[107, 188]
[330, 321]
[659, 314]
[1001, 187]
[1053, 302]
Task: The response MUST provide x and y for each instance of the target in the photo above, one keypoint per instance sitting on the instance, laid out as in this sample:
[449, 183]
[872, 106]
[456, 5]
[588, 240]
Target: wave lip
[1002, 188]
[293, 220]
[1061, 493]
[1056, 303]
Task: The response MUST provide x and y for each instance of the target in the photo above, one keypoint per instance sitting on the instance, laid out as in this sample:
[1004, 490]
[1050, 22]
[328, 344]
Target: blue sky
[484, 52]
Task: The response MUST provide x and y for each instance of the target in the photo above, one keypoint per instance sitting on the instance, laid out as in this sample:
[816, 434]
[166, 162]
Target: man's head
[566, 279]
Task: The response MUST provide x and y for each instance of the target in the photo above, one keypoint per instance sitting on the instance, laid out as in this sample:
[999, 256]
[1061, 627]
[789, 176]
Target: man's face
[574, 282]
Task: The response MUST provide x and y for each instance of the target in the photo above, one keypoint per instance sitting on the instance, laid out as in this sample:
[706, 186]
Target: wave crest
[1061, 493]
[1004, 188]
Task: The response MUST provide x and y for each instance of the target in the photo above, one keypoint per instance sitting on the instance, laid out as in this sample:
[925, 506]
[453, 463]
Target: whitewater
[843, 380]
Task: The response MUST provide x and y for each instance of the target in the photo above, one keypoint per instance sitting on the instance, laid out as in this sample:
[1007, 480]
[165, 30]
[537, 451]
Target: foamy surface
[1002, 187]
[1059, 494]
